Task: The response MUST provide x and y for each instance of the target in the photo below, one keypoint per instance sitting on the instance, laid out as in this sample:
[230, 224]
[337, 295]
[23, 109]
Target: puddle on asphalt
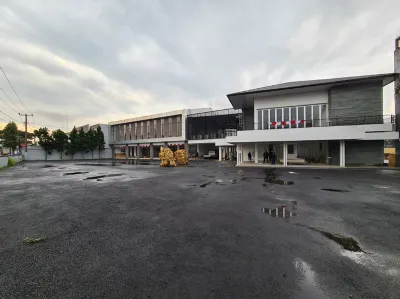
[272, 177]
[97, 164]
[48, 166]
[347, 243]
[137, 162]
[103, 176]
[309, 285]
[282, 211]
[334, 190]
[77, 172]
[317, 178]
[205, 185]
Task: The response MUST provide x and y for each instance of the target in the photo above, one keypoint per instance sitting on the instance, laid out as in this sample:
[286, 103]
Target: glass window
[279, 116]
[286, 117]
[324, 115]
[290, 149]
[300, 117]
[293, 117]
[272, 119]
[308, 116]
[259, 119]
[266, 119]
[316, 117]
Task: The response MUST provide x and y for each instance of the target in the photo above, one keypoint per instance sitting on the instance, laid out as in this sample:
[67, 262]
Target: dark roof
[308, 83]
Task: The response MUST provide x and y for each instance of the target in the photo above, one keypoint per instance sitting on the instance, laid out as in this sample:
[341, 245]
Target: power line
[9, 105]
[9, 116]
[10, 99]
[14, 89]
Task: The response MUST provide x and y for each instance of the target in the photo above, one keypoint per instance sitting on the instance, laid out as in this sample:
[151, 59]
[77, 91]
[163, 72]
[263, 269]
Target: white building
[336, 121]
[142, 137]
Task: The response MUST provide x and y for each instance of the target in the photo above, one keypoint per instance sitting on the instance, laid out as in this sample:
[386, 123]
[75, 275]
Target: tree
[45, 140]
[82, 141]
[72, 146]
[60, 141]
[91, 139]
[100, 139]
[9, 136]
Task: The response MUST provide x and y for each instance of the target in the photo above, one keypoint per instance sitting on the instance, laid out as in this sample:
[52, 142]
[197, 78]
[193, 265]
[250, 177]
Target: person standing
[272, 157]
[249, 155]
[266, 156]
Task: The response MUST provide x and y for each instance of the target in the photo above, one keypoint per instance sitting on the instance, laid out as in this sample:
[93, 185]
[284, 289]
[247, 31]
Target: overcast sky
[104, 60]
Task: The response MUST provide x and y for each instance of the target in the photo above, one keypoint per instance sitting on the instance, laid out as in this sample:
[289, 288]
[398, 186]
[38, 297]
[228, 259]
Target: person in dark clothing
[266, 156]
[272, 157]
[249, 155]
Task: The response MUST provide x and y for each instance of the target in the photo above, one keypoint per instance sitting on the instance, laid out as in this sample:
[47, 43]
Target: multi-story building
[142, 137]
[397, 96]
[337, 121]
[208, 130]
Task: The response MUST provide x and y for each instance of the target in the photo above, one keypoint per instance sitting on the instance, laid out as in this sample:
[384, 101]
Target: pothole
[334, 190]
[77, 172]
[347, 243]
[48, 166]
[317, 178]
[205, 185]
[103, 176]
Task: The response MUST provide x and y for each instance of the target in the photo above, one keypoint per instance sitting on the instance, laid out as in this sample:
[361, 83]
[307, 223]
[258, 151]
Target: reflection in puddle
[272, 177]
[103, 176]
[309, 284]
[282, 211]
[387, 265]
[334, 190]
[97, 164]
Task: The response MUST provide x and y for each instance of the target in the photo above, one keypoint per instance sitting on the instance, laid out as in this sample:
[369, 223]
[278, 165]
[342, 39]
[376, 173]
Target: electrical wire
[14, 90]
[18, 108]
[9, 116]
[9, 105]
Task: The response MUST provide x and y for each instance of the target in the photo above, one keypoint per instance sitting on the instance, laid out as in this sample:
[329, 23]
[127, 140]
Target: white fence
[38, 154]
[4, 160]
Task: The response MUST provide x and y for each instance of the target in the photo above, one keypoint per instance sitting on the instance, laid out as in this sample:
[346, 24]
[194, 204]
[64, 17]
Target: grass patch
[11, 161]
[29, 240]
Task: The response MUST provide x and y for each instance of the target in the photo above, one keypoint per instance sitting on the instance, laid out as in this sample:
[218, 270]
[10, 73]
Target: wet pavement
[135, 230]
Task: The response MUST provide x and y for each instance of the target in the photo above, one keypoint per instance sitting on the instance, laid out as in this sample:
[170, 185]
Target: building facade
[333, 121]
[142, 137]
[207, 131]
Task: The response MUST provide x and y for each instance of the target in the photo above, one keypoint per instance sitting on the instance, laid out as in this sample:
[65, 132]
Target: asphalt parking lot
[208, 230]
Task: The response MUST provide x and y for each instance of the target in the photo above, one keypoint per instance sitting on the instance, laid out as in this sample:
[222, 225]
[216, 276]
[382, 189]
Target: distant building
[142, 137]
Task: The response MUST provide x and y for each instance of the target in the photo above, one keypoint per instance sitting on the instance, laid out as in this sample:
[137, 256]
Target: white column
[285, 153]
[151, 151]
[237, 155]
[126, 151]
[342, 154]
[220, 153]
[256, 153]
[198, 148]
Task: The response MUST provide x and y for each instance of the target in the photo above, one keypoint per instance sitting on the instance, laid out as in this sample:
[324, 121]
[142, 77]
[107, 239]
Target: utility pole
[26, 130]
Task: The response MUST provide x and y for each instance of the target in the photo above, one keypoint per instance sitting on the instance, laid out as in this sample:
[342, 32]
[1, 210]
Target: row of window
[292, 117]
[145, 131]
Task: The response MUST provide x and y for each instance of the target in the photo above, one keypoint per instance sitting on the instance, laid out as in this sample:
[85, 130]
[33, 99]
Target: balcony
[312, 123]
[213, 135]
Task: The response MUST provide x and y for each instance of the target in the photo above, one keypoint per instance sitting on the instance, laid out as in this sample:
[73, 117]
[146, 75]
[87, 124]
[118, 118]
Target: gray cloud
[104, 60]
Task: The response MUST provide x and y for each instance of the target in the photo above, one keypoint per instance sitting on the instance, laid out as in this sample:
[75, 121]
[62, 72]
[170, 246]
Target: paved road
[197, 232]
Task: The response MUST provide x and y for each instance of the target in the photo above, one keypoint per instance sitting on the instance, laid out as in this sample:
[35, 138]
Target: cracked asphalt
[141, 231]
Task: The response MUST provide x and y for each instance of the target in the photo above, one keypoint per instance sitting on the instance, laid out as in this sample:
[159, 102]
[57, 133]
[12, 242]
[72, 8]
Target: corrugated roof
[300, 84]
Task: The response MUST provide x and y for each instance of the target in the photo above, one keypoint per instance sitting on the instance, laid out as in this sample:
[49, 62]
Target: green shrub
[11, 161]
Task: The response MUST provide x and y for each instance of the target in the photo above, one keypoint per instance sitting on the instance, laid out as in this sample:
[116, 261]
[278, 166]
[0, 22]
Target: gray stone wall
[248, 118]
[356, 100]
[364, 152]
